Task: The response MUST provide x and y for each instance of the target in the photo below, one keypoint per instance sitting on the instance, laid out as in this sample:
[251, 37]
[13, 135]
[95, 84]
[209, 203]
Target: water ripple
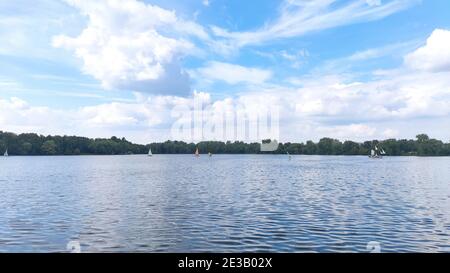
[251, 203]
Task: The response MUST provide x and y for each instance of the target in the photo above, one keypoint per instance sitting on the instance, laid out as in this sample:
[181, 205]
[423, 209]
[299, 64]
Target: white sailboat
[6, 153]
[289, 155]
[197, 153]
[376, 153]
[150, 152]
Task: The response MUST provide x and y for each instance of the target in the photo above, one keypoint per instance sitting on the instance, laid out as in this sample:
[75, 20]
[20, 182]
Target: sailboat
[210, 154]
[150, 152]
[376, 153]
[197, 154]
[289, 155]
[6, 153]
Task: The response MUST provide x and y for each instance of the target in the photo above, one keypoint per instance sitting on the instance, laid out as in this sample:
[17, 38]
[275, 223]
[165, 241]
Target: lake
[226, 203]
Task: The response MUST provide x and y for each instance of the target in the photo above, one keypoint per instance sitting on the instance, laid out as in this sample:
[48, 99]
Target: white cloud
[403, 96]
[390, 133]
[434, 56]
[232, 73]
[386, 107]
[16, 115]
[137, 120]
[115, 114]
[130, 44]
[299, 17]
[347, 132]
[25, 28]
[377, 53]
[295, 59]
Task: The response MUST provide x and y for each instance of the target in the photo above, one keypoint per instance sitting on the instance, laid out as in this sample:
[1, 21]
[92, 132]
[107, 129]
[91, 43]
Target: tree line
[34, 144]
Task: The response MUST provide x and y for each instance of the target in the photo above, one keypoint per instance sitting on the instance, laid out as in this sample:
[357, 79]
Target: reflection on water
[227, 203]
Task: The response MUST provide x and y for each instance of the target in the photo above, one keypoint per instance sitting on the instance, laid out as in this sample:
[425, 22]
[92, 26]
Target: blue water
[227, 203]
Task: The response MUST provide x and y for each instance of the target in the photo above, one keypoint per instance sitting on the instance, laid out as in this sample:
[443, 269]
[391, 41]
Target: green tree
[422, 138]
[49, 147]
[329, 146]
[350, 148]
[27, 147]
[310, 148]
[34, 144]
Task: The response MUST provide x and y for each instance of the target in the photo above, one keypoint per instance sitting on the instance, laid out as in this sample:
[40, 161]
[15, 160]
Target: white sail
[150, 152]
[383, 152]
[372, 152]
[6, 153]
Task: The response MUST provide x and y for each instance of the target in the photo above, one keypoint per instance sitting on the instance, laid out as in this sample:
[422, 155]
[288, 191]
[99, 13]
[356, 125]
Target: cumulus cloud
[401, 96]
[380, 108]
[232, 73]
[17, 115]
[146, 118]
[130, 44]
[434, 56]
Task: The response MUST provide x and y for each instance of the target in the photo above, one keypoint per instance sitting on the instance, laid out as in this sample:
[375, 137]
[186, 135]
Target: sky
[347, 69]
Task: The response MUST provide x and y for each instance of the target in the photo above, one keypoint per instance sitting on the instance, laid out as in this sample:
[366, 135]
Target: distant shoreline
[31, 144]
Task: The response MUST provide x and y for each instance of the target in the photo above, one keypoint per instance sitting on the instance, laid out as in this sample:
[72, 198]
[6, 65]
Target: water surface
[227, 203]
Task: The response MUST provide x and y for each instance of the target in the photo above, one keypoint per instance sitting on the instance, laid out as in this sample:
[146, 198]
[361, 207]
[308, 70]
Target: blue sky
[355, 69]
